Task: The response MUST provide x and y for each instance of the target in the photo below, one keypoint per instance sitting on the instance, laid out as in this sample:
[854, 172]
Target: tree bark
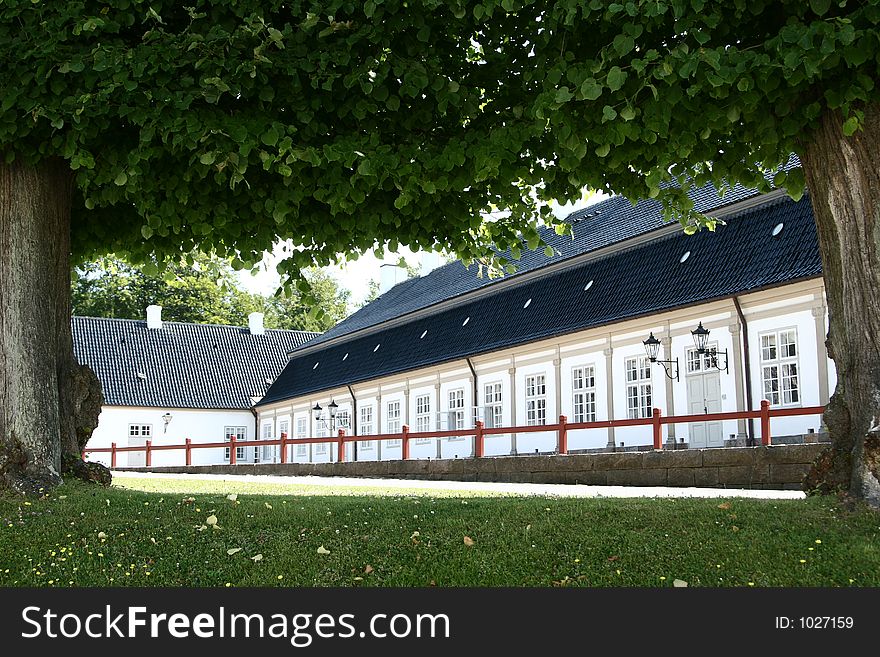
[47, 400]
[843, 178]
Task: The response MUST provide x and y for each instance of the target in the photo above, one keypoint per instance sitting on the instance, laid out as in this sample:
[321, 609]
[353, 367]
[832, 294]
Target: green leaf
[603, 150]
[850, 126]
[590, 89]
[563, 95]
[121, 178]
[270, 137]
[623, 43]
[369, 8]
[146, 231]
[616, 78]
[820, 7]
[548, 251]
[608, 113]
[628, 113]
[208, 158]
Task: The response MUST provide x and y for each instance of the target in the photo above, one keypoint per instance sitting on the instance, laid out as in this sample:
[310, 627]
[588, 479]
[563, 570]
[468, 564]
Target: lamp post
[701, 338]
[652, 348]
[166, 418]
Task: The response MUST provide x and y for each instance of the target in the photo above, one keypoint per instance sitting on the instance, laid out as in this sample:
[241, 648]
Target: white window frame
[343, 420]
[493, 405]
[583, 393]
[240, 434]
[423, 417]
[536, 399]
[392, 421]
[455, 409]
[698, 363]
[780, 367]
[139, 430]
[321, 431]
[365, 428]
[302, 431]
[639, 387]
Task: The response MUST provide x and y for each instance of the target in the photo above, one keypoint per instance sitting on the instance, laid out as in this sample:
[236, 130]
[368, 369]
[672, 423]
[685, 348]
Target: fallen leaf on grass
[268, 506]
[724, 505]
[102, 535]
[212, 520]
[257, 557]
[679, 583]
[469, 541]
[368, 569]
[613, 558]
[232, 497]
[232, 551]
[323, 550]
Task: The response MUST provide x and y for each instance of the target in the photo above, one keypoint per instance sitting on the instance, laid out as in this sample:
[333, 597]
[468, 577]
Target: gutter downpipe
[748, 368]
[354, 420]
[474, 398]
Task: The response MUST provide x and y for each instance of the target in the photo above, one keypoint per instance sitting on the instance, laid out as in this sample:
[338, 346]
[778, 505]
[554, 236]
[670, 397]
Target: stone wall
[777, 466]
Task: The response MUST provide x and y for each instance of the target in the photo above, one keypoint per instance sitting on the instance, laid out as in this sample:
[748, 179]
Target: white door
[703, 396]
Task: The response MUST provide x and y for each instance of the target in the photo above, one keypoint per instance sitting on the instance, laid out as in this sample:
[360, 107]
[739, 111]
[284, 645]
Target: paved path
[559, 490]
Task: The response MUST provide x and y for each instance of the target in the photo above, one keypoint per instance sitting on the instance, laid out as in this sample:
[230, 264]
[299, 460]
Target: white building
[170, 381]
[565, 336]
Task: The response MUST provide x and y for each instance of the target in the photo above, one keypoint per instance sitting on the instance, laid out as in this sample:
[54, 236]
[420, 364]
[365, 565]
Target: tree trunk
[46, 398]
[843, 178]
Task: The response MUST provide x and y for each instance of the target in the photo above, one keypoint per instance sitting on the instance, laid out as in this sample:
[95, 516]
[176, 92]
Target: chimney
[430, 261]
[389, 276]
[255, 323]
[154, 317]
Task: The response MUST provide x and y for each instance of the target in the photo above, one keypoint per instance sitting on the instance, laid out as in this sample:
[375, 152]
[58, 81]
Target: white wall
[197, 425]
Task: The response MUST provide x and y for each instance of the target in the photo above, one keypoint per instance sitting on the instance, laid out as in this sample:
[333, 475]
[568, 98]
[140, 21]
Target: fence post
[232, 458]
[404, 435]
[112, 456]
[149, 459]
[765, 422]
[562, 448]
[341, 451]
[479, 439]
[658, 429]
[284, 447]
[189, 459]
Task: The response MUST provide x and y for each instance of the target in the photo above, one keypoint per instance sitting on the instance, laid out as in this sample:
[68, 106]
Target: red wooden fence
[479, 433]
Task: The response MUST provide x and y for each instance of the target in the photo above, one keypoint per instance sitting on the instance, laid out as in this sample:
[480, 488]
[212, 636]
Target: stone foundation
[777, 467]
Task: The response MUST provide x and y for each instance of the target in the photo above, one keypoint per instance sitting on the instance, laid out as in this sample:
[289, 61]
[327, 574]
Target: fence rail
[479, 432]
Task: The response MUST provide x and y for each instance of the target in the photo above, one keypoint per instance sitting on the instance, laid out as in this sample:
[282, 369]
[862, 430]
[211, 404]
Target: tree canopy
[340, 124]
[207, 293]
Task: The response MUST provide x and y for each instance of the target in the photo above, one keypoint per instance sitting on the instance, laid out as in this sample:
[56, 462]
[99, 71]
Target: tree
[205, 291]
[154, 129]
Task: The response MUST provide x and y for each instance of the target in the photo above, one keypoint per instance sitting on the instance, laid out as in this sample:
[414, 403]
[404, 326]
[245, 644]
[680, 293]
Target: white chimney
[154, 317]
[430, 261]
[255, 323]
[389, 276]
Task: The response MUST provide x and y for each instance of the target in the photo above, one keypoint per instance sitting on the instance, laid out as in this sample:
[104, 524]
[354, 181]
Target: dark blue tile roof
[594, 227]
[739, 257]
[184, 365]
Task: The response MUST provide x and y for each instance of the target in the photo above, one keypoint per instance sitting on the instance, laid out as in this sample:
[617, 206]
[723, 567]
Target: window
[492, 409]
[321, 432]
[240, 433]
[265, 452]
[423, 418]
[343, 421]
[536, 400]
[779, 367]
[583, 388]
[392, 421]
[455, 417]
[140, 430]
[302, 430]
[638, 387]
[697, 362]
[365, 428]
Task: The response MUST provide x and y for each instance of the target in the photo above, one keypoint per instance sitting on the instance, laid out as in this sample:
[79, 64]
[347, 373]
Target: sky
[356, 276]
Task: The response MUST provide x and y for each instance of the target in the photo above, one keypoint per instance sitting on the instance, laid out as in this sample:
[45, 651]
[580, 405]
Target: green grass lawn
[160, 533]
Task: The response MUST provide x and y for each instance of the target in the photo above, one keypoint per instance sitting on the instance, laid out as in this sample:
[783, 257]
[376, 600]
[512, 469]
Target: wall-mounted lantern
[167, 419]
[701, 338]
[330, 422]
[652, 348]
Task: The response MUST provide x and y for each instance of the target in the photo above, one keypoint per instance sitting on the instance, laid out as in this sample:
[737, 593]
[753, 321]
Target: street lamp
[652, 348]
[166, 418]
[329, 422]
[701, 337]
